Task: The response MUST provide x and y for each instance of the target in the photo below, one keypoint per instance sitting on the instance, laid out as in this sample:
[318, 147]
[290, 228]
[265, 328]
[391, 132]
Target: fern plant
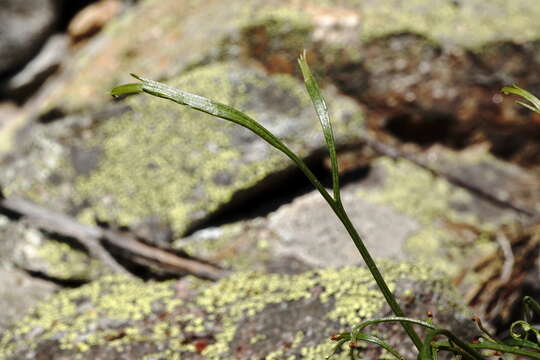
[428, 347]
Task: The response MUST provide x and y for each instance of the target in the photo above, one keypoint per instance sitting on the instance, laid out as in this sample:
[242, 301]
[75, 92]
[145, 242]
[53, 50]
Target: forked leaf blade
[322, 112]
[222, 111]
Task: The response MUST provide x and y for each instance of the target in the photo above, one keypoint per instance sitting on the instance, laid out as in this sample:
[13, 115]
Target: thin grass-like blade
[322, 112]
[222, 111]
[516, 90]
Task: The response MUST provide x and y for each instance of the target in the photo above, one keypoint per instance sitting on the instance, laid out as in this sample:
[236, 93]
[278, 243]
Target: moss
[95, 314]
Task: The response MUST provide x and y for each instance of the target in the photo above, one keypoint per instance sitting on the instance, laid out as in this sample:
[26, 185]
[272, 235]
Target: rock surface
[247, 315]
[20, 293]
[422, 76]
[391, 209]
[127, 169]
[32, 75]
[24, 27]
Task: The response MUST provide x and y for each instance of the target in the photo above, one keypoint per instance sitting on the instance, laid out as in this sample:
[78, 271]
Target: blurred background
[438, 165]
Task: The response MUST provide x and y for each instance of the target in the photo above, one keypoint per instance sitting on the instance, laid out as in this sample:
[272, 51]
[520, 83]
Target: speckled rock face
[277, 28]
[401, 210]
[245, 315]
[27, 248]
[24, 293]
[160, 159]
[504, 180]
[426, 71]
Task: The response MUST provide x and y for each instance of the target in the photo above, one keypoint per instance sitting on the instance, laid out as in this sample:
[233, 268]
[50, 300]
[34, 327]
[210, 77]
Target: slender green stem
[370, 263]
[463, 347]
[339, 210]
[367, 323]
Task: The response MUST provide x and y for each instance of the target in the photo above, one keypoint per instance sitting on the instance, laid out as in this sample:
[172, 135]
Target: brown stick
[91, 237]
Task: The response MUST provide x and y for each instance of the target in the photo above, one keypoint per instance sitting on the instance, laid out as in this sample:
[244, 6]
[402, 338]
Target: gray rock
[401, 210]
[38, 69]
[245, 316]
[20, 292]
[165, 160]
[310, 230]
[24, 26]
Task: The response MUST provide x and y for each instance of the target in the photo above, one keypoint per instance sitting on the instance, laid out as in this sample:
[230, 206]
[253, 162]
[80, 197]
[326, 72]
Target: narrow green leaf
[516, 90]
[366, 323]
[322, 112]
[133, 88]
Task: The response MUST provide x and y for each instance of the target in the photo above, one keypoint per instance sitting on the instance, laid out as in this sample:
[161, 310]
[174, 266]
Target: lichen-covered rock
[163, 159]
[245, 316]
[277, 28]
[401, 210]
[479, 169]
[30, 249]
[20, 292]
[177, 43]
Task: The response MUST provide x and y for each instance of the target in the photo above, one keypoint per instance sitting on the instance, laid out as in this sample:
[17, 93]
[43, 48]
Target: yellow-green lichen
[86, 317]
[416, 192]
[469, 23]
[351, 289]
[162, 38]
[62, 261]
[176, 42]
[287, 28]
[433, 202]
[114, 299]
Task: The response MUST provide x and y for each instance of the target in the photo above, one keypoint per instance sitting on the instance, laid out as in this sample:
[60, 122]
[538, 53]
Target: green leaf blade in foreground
[516, 90]
[322, 112]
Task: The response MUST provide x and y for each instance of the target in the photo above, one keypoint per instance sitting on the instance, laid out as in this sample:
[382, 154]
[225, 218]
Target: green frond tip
[533, 100]
[126, 89]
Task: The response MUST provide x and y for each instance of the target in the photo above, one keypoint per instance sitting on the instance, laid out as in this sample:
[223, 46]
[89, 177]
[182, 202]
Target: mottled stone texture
[420, 73]
[246, 315]
[24, 27]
